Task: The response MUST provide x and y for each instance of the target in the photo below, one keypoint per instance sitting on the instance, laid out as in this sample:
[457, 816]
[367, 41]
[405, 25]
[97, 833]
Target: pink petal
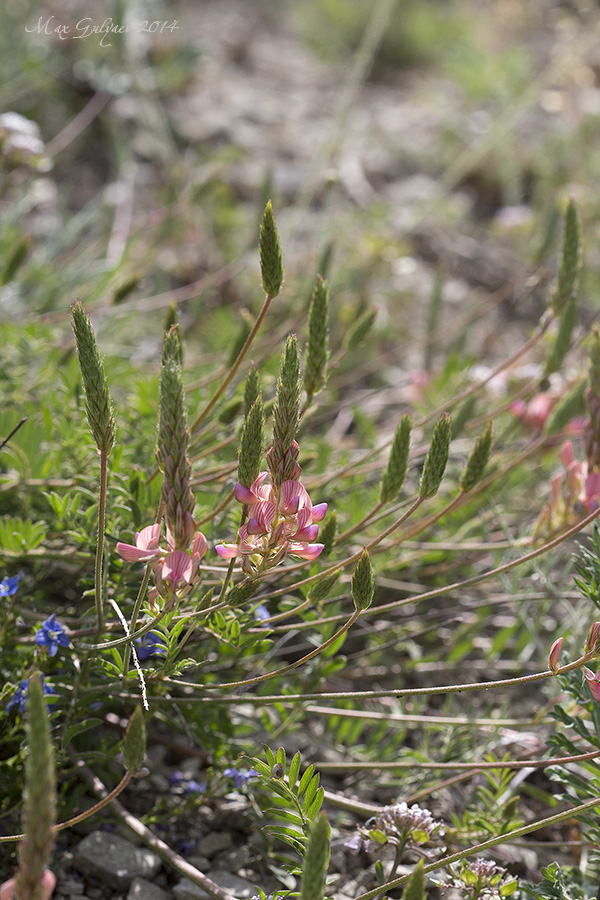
[592, 488]
[135, 554]
[593, 683]
[303, 518]
[244, 495]
[554, 655]
[308, 533]
[308, 551]
[566, 453]
[318, 512]
[177, 566]
[289, 498]
[148, 537]
[200, 545]
[227, 551]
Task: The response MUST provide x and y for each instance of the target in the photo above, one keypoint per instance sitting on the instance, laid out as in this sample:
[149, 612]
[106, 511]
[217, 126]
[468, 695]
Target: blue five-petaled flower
[150, 644]
[19, 698]
[9, 585]
[240, 776]
[50, 635]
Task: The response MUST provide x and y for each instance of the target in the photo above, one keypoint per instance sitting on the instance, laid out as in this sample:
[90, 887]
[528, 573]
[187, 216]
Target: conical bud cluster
[173, 442]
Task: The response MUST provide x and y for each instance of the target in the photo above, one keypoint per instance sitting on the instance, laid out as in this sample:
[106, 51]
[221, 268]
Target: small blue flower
[50, 635]
[188, 784]
[150, 644]
[239, 776]
[194, 787]
[19, 698]
[262, 614]
[9, 585]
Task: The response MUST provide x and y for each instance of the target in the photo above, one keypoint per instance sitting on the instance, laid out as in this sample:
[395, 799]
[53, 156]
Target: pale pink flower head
[277, 525]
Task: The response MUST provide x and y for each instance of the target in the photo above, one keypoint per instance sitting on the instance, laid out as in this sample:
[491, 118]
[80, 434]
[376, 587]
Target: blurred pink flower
[7, 890]
[536, 411]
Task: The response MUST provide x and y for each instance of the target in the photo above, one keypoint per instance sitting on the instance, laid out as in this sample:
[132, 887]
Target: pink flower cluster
[173, 567]
[277, 525]
[575, 492]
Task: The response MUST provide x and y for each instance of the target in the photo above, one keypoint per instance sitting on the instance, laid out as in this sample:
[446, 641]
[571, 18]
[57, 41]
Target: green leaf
[415, 886]
[294, 769]
[304, 781]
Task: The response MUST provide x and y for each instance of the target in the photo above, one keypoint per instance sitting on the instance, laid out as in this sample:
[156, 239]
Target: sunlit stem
[82, 816]
[231, 375]
[277, 672]
[100, 542]
[487, 845]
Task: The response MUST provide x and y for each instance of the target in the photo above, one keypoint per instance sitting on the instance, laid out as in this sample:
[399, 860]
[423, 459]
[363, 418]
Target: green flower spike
[271, 261]
[437, 458]
[395, 471]
[40, 799]
[251, 389]
[283, 455]
[317, 347]
[316, 860]
[252, 443]
[134, 744]
[97, 398]
[362, 586]
[568, 273]
[478, 460]
[173, 441]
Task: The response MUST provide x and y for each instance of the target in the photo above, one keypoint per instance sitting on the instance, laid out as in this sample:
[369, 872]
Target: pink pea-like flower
[593, 682]
[554, 655]
[146, 545]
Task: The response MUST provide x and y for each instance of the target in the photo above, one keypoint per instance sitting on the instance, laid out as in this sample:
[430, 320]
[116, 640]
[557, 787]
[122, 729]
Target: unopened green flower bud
[271, 262]
[437, 458]
[97, 398]
[322, 588]
[317, 347]
[230, 411]
[415, 886]
[568, 272]
[316, 860]
[17, 256]
[134, 743]
[562, 341]
[395, 471]
[327, 533]
[362, 586]
[358, 332]
[478, 460]
[252, 443]
[242, 591]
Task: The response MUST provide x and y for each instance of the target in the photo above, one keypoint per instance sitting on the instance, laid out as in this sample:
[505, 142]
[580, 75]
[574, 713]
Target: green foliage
[297, 798]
